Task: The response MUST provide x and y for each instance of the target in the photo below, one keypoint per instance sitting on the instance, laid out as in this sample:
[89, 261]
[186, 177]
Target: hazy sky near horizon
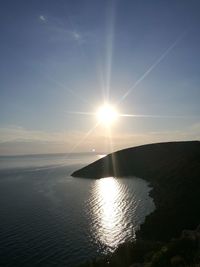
[62, 57]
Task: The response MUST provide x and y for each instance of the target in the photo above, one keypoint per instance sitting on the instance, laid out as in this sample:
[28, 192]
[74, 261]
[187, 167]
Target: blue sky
[60, 57]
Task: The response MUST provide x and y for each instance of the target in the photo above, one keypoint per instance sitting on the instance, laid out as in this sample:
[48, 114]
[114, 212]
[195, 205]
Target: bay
[48, 218]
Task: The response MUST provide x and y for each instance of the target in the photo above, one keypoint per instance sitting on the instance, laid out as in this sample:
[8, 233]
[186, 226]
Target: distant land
[173, 171]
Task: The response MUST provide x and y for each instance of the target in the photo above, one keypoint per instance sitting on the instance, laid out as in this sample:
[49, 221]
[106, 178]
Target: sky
[60, 60]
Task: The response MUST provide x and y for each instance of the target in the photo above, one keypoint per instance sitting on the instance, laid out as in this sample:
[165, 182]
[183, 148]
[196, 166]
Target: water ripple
[55, 220]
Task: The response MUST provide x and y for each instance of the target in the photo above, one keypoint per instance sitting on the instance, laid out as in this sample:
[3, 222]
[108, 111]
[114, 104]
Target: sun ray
[69, 90]
[109, 47]
[156, 116]
[111, 148]
[107, 114]
[153, 66]
[80, 113]
[67, 155]
[84, 138]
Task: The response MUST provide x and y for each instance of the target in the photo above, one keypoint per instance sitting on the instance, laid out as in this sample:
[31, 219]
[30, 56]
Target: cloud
[18, 140]
[42, 18]
[76, 36]
[60, 31]
[20, 134]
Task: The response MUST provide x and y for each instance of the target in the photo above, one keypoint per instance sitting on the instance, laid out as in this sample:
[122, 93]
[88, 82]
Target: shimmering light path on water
[50, 219]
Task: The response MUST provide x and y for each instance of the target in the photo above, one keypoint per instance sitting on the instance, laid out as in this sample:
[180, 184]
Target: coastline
[173, 172]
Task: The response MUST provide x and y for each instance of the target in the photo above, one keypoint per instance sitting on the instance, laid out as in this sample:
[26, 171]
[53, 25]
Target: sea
[49, 218]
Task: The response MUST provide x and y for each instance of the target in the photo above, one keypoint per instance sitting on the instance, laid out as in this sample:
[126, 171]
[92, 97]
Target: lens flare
[107, 115]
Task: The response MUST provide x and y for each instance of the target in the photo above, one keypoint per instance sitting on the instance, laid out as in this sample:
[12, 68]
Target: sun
[107, 114]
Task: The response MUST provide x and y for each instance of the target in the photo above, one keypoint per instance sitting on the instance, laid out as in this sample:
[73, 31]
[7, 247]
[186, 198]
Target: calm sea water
[48, 218]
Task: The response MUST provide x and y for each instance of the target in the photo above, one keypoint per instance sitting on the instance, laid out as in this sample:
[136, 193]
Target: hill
[173, 170]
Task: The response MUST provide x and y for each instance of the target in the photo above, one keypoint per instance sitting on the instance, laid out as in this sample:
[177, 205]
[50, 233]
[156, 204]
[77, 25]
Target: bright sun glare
[107, 114]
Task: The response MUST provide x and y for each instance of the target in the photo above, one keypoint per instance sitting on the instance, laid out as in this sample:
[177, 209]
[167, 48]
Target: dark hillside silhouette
[173, 170]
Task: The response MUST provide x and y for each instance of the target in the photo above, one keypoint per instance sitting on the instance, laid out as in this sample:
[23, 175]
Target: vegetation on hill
[181, 252]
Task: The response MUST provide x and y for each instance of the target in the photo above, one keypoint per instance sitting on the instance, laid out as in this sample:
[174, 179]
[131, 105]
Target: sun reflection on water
[108, 214]
[116, 208]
